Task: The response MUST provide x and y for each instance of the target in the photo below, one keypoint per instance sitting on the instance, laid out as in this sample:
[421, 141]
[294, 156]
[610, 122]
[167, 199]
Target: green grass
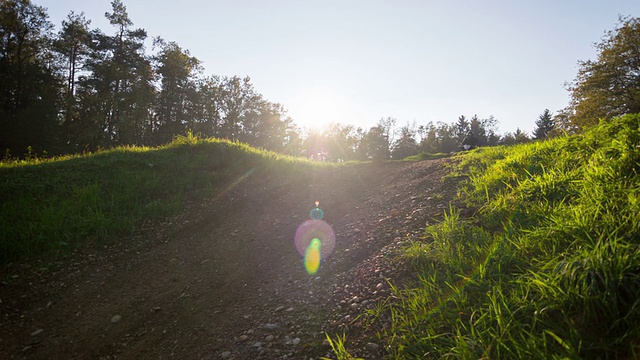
[51, 205]
[426, 156]
[549, 265]
[338, 348]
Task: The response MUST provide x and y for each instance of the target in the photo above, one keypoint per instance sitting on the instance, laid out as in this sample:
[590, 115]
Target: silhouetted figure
[469, 142]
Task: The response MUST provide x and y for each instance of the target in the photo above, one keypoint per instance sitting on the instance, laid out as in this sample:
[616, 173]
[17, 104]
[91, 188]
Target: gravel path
[224, 279]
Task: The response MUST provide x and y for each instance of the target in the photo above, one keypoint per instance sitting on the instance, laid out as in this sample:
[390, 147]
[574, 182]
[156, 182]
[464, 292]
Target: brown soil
[224, 280]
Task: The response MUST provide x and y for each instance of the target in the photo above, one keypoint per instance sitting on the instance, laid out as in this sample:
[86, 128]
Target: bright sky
[356, 61]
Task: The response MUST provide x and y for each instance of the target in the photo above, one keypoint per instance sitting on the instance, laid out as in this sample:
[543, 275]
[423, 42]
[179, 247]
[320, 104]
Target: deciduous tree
[517, 137]
[237, 94]
[610, 85]
[176, 103]
[406, 144]
[29, 95]
[375, 144]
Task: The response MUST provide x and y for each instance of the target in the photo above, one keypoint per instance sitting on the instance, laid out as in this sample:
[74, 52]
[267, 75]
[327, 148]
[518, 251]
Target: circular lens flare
[311, 230]
[316, 214]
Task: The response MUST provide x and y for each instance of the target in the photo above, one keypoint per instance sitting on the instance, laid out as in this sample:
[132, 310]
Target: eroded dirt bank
[229, 283]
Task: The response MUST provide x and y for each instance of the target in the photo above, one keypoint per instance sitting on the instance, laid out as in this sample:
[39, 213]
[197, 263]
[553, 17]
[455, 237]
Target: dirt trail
[229, 282]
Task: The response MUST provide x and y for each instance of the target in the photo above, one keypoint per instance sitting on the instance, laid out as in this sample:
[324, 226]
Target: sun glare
[319, 106]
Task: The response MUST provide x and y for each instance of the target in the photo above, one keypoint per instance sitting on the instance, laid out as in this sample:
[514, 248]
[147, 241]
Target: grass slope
[48, 206]
[548, 267]
[426, 156]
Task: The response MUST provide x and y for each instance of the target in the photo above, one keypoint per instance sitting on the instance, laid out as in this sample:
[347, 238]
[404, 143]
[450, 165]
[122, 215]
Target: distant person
[469, 142]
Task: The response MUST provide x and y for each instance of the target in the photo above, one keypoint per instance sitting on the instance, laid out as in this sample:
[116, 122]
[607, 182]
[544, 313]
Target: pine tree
[118, 94]
[544, 125]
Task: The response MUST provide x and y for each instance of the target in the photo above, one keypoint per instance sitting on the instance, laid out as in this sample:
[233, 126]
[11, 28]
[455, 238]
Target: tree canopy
[609, 86]
[82, 89]
[29, 96]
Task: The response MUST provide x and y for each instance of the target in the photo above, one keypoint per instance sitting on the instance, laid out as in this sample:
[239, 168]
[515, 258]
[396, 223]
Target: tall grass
[549, 265]
[50, 205]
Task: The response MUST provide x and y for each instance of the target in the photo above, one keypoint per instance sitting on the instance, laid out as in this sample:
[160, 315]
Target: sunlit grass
[426, 156]
[51, 205]
[548, 268]
[338, 347]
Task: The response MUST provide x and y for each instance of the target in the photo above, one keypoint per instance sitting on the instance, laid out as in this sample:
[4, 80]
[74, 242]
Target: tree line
[606, 87]
[81, 89]
[386, 140]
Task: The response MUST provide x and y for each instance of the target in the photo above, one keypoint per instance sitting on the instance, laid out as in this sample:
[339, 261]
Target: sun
[315, 108]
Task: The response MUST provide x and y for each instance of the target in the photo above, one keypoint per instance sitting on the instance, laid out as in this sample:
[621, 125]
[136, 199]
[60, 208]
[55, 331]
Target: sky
[357, 61]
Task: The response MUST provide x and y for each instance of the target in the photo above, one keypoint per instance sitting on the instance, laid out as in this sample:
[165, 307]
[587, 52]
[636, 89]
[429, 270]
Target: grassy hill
[549, 265]
[50, 205]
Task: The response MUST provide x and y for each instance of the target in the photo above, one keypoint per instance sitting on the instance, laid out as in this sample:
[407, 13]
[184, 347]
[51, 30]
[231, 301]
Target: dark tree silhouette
[544, 125]
[29, 96]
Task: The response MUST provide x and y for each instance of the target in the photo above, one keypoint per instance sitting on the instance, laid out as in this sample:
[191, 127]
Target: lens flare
[312, 256]
[316, 214]
[314, 240]
[319, 230]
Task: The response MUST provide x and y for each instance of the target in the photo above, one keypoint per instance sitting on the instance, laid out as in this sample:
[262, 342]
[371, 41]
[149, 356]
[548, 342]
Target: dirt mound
[224, 279]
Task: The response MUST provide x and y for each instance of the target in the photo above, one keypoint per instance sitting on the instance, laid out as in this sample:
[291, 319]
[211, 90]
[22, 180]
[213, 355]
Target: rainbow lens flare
[312, 256]
[314, 241]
